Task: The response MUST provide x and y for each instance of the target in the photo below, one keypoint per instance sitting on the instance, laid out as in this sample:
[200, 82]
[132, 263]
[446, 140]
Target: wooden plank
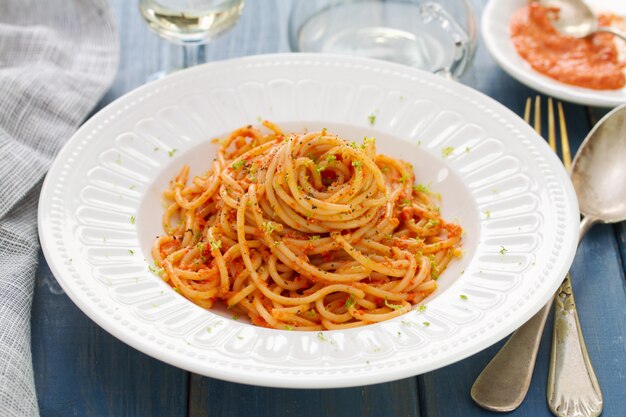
[620, 233]
[81, 370]
[211, 397]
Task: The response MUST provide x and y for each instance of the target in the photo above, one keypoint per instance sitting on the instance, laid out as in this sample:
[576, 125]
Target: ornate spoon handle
[503, 384]
[573, 388]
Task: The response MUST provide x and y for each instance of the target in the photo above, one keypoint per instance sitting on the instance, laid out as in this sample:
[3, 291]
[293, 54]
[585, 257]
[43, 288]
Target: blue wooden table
[81, 370]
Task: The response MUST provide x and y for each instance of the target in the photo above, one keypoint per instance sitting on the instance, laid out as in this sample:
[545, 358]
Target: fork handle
[504, 382]
[573, 388]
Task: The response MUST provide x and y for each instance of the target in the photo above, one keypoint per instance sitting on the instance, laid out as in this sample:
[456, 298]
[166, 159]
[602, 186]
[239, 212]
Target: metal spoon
[576, 19]
[598, 173]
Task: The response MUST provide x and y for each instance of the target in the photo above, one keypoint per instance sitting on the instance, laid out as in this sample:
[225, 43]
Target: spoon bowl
[599, 170]
[577, 19]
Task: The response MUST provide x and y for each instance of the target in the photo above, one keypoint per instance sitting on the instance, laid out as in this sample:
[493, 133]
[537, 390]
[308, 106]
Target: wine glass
[436, 35]
[190, 23]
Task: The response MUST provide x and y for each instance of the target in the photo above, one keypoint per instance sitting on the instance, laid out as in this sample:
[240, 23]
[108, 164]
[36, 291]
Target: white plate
[502, 182]
[495, 33]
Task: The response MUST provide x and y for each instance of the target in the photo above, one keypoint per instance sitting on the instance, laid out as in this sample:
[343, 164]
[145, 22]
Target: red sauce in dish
[592, 62]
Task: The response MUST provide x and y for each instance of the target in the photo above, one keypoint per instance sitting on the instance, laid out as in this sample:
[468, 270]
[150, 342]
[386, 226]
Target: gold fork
[565, 149]
[504, 382]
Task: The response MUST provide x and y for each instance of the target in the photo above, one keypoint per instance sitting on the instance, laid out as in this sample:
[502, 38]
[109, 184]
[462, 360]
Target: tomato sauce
[591, 62]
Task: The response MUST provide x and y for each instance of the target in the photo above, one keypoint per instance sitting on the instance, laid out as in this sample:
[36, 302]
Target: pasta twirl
[303, 231]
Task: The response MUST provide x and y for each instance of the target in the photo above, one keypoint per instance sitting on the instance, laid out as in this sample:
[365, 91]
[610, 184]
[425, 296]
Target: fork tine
[565, 150]
[538, 114]
[527, 110]
[551, 127]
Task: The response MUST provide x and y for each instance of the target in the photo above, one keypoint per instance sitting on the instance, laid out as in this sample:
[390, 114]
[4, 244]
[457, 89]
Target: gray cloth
[57, 59]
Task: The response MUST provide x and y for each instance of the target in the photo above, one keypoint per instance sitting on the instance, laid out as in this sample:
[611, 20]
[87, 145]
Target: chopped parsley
[393, 306]
[238, 164]
[426, 323]
[463, 297]
[157, 271]
[357, 164]
[372, 119]
[314, 237]
[321, 337]
[132, 219]
[215, 245]
[172, 152]
[487, 214]
[447, 151]
[432, 223]
[422, 188]
[503, 250]
[367, 141]
[349, 302]
[268, 227]
[131, 252]
[330, 159]
[421, 308]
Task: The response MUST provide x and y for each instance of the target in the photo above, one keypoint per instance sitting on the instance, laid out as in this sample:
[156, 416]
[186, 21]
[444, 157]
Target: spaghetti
[303, 231]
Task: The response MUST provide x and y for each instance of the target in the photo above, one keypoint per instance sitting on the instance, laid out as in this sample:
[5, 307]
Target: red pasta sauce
[592, 62]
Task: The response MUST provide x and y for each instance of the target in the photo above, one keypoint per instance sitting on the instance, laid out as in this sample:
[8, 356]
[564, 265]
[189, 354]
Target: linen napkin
[57, 59]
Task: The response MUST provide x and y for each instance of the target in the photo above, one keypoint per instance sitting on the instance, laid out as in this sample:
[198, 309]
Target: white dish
[495, 33]
[502, 182]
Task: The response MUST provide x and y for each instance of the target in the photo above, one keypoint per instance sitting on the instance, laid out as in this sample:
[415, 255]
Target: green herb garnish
[393, 306]
[447, 151]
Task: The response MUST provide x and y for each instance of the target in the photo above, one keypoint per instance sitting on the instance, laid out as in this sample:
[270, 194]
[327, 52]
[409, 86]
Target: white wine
[190, 21]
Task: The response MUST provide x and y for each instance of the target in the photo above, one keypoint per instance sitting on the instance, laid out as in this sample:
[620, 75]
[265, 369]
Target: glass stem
[193, 54]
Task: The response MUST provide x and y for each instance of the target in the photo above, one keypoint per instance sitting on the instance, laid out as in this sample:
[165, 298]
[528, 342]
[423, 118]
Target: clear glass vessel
[435, 35]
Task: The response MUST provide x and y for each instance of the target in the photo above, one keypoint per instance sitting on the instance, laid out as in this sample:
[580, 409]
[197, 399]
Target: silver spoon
[598, 174]
[576, 19]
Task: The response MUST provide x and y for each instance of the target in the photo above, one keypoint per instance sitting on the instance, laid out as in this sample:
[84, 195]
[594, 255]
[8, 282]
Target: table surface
[81, 370]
